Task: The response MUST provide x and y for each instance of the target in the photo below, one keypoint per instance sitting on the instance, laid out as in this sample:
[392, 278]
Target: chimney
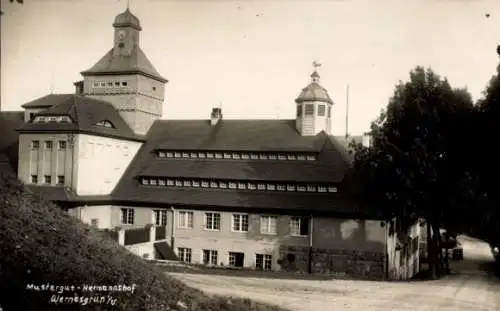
[215, 116]
[78, 87]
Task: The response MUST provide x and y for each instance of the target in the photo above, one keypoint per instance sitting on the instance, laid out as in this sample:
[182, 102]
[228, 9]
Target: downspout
[386, 242]
[172, 237]
[311, 220]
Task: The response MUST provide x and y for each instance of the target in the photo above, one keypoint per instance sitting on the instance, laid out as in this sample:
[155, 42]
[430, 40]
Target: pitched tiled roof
[85, 113]
[136, 62]
[46, 101]
[236, 135]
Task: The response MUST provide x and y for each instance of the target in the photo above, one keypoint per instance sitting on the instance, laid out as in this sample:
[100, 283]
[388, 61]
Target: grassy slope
[41, 244]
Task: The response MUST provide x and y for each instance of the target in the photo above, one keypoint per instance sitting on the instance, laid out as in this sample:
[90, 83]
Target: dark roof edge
[127, 72]
[27, 105]
[142, 140]
[279, 211]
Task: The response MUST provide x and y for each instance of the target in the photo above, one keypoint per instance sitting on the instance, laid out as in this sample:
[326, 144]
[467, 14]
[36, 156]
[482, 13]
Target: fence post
[121, 236]
[152, 233]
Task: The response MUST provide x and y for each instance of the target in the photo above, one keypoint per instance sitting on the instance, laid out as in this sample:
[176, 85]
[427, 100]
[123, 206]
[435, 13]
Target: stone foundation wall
[335, 262]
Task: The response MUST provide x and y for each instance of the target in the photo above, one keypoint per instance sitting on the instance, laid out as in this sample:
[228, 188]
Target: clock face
[121, 34]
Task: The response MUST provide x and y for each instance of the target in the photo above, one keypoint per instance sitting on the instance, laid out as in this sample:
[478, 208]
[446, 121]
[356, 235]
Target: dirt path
[472, 289]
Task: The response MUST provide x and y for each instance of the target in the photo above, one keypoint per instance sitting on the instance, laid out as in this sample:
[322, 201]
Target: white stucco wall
[101, 162]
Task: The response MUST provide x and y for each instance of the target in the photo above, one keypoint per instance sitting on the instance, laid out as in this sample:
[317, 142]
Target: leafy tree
[414, 165]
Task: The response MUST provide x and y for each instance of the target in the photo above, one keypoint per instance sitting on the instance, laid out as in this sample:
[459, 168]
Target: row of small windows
[47, 180]
[49, 144]
[241, 185]
[110, 84]
[268, 224]
[309, 110]
[235, 259]
[237, 155]
[52, 119]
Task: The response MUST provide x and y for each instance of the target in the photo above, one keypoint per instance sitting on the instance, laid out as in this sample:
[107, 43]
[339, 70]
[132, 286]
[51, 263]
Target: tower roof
[127, 19]
[136, 62]
[314, 92]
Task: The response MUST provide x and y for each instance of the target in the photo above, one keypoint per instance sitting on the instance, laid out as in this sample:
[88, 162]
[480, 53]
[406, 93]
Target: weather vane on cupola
[315, 74]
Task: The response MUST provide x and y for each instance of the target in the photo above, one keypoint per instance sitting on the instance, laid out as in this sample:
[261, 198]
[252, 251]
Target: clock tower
[126, 78]
[127, 28]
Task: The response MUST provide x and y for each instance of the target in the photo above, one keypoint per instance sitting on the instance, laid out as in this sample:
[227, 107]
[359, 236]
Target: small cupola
[314, 107]
[127, 19]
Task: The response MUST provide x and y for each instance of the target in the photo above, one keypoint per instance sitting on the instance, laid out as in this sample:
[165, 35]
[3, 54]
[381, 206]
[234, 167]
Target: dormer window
[332, 189]
[52, 119]
[110, 84]
[161, 154]
[117, 84]
[40, 119]
[105, 123]
[145, 181]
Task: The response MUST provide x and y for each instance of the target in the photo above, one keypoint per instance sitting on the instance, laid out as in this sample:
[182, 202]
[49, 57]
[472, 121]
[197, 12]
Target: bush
[41, 244]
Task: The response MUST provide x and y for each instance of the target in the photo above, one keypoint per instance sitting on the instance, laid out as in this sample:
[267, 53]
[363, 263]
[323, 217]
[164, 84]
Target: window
[232, 185]
[160, 217]
[332, 189]
[170, 182]
[268, 224]
[205, 184]
[154, 88]
[263, 156]
[321, 110]
[177, 154]
[245, 156]
[299, 110]
[254, 156]
[263, 262]
[299, 226]
[236, 156]
[60, 179]
[185, 155]
[102, 84]
[61, 144]
[227, 155]
[223, 185]
[242, 185]
[124, 83]
[161, 181]
[240, 222]
[161, 154]
[271, 187]
[187, 183]
[153, 181]
[236, 259]
[170, 154]
[48, 144]
[261, 186]
[145, 181]
[184, 254]
[47, 179]
[94, 222]
[282, 157]
[32, 116]
[301, 188]
[281, 187]
[34, 179]
[110, 84]
[309, 110]
[52, 119]
[35, 144]
[202, 155]
[214, 184]
[251, 186]
[178, 183]
[196, 183]
[193, 155]
[272, 156]
[185, 220]
[212, 221]
[311, 157]
[321, 189]
[301, 157]
[128, 215]
[210, 155]
[311, 188]
[95, 84]
[117, 84]
[290, 188]
[209, 257]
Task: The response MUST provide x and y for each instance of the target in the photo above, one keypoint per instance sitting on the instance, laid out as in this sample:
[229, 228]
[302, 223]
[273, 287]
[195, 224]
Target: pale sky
[255, 56]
